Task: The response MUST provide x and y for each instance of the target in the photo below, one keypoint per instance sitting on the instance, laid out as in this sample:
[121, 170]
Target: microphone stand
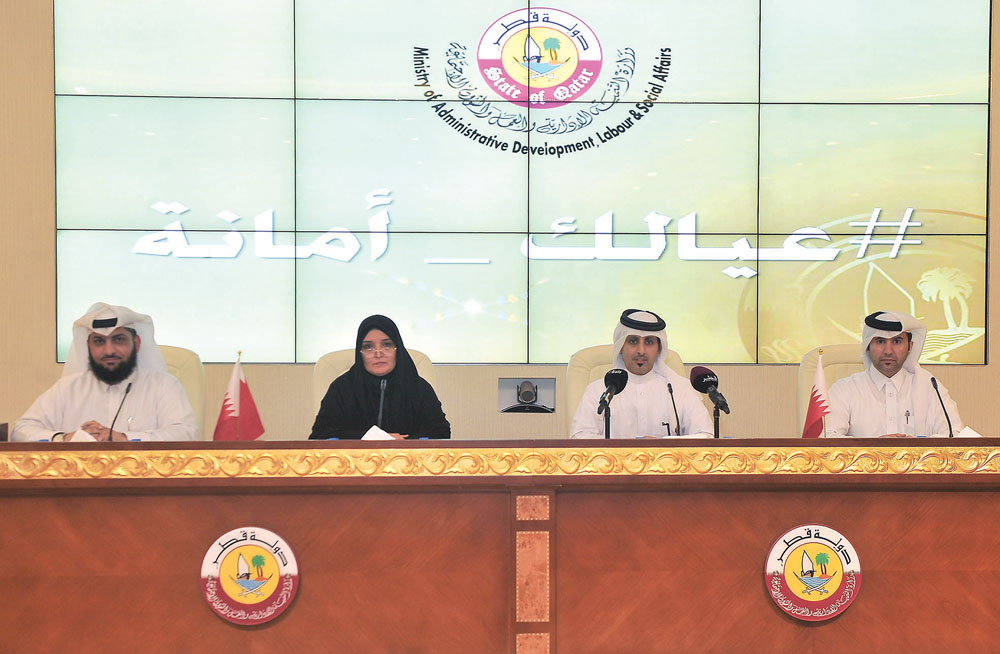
[111, 429]
[951, 434]
[605, 408]
[677, 418]
[715, 416]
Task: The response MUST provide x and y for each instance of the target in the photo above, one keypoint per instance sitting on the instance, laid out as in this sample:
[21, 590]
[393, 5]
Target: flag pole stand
[239, 355]
[822, 417]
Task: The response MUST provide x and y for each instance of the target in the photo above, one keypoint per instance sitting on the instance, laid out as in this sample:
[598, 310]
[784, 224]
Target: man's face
[888, 354]
[113, 357]
[378, 353]
[640, 353]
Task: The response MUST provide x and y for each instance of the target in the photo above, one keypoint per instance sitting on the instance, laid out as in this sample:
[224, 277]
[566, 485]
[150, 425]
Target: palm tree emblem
[948, 284]
[258, 562]
[551, 44]
[821, 560]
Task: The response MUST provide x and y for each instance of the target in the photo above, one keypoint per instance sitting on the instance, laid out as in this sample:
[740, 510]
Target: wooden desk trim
[501, 463]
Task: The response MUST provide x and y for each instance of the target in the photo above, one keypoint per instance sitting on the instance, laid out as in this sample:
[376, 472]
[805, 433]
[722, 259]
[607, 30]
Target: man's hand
[894, 436]
[100, 432]
[398, 437]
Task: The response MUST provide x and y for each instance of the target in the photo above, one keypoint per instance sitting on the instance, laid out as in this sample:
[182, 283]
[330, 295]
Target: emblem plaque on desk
[813, 573]
[249, 576]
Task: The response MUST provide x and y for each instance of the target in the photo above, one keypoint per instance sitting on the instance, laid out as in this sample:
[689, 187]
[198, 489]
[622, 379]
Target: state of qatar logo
[249, 576]
[813, 573]
[539, 57]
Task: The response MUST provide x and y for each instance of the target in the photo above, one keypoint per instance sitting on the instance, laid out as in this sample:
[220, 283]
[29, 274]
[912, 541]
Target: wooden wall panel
[683, 571]
[27, 208]
[379, 572]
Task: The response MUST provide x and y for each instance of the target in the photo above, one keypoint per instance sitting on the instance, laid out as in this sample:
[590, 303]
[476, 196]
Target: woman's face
[378, 353]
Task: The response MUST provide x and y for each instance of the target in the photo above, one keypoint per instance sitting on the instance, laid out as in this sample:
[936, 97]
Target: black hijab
[402, 396]
[401, 382]
[408, 403]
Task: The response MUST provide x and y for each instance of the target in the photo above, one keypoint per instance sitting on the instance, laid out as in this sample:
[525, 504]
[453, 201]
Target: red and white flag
[819, 403]
[238, 419]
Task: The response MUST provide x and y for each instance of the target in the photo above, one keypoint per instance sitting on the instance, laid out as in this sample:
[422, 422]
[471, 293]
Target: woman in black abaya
[381, 389]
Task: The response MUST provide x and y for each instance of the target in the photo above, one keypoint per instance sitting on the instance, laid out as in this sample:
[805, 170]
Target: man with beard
[644, 407]
[113, 368]
[893, 397]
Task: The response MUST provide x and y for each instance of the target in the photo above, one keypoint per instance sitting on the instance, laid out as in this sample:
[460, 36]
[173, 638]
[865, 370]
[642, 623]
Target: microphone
[670, 389]
[381, 400]
[112, 427]
[614, 381]
[706, 381]
[934, 384]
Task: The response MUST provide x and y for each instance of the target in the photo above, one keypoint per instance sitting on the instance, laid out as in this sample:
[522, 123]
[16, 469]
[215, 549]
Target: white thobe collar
[642, 379]
[881, 380]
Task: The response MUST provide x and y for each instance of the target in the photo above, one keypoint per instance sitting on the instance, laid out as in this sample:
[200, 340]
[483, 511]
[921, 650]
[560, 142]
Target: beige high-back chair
[838, 361]
[186, 366]
[334, 364]
[591, 363]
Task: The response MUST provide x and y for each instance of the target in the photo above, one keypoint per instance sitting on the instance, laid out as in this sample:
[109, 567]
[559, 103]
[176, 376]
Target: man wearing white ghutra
[114, 373]
[643, 408]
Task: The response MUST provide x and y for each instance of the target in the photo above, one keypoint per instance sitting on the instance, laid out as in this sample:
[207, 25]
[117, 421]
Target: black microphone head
[702, 378]
[934, 383]
[617, 378]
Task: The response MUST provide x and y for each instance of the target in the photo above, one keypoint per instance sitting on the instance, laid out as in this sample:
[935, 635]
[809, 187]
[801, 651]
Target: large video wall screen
[503, 180]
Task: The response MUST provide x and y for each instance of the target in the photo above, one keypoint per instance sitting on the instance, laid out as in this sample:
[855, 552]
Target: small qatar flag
[819, 403]
[238, 419]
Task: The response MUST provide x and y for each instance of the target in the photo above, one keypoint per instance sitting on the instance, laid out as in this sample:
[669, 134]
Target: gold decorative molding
[394, 463]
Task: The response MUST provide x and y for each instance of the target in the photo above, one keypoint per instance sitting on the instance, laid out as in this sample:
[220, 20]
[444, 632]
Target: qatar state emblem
[539, 57]
[813, 573]
[249, 576]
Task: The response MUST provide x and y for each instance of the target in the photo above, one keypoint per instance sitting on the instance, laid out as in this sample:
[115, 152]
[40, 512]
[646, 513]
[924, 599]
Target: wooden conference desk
[487, 546]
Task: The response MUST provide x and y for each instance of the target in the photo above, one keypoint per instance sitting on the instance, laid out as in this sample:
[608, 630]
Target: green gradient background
[777, 115]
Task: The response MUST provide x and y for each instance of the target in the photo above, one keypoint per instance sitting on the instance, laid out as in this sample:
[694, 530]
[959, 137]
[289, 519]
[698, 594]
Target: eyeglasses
[369, 349]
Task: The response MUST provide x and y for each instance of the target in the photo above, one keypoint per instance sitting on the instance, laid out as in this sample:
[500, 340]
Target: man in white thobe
[893, 396]
[644, 407]
[114, 377]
